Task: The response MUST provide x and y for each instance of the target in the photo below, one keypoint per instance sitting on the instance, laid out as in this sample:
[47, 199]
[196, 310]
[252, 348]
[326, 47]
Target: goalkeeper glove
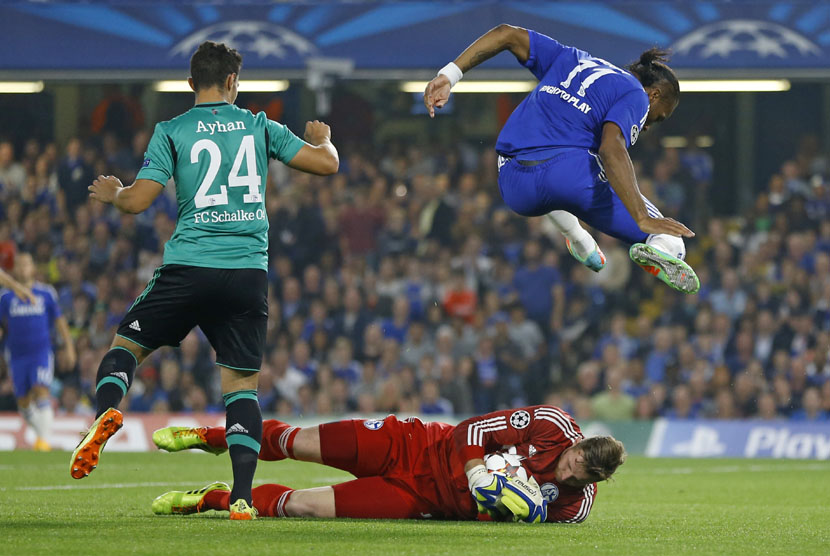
[524, 500]
[486, 489]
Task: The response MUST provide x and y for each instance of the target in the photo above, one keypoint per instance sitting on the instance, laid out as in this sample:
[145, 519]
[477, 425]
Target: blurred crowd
[403, 284]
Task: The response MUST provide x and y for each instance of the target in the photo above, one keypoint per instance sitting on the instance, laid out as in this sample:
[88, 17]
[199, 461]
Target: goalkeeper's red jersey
[539, 433]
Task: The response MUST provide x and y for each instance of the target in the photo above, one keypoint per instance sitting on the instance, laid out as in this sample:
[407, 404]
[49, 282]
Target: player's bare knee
[234, 380]
[313, 502]
[140, 353]
[38, 393]
[23, 402]
[299, 506]
[307, 445]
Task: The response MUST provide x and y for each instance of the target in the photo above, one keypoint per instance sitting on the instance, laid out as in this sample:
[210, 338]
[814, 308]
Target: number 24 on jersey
[252, 181]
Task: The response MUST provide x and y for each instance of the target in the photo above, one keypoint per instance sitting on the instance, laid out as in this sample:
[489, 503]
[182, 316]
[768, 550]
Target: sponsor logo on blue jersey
[19, 308]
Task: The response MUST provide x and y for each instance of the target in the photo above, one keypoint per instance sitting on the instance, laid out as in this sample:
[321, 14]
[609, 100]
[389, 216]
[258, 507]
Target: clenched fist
[317, 132]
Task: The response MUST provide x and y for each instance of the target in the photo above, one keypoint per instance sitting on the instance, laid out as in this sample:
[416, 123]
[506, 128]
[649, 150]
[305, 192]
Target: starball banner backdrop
[145, 35]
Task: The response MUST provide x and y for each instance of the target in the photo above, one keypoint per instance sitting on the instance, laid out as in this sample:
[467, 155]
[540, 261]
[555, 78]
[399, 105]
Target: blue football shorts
[30, 371]
[571, 180]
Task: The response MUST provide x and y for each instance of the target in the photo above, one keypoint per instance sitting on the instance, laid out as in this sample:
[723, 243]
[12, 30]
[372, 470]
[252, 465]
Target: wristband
[453, 73]
[476, 476]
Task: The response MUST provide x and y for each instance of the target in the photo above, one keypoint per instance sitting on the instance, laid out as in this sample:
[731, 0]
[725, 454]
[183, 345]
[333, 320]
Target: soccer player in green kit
[214, 271]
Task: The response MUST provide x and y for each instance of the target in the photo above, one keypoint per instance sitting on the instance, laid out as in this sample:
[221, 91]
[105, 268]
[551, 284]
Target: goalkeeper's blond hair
[602, 455]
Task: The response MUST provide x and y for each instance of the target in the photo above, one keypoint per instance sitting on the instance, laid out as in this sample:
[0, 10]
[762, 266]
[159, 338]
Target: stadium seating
[403, 284]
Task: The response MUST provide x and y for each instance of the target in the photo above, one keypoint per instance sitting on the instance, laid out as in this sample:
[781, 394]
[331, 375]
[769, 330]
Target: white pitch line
[92, 486]
[330, 480]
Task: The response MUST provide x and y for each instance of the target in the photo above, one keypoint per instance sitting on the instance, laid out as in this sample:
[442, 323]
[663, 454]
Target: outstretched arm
[132, 199]
[19, 289]
[498, 39]
[69, 344]
[620, 172]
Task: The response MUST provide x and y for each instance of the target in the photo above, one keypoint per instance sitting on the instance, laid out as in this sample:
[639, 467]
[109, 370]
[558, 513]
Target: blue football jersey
[577, 93]
[29, 326]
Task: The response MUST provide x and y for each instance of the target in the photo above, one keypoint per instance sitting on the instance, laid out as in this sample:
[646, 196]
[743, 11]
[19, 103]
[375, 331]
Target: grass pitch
[664, 507]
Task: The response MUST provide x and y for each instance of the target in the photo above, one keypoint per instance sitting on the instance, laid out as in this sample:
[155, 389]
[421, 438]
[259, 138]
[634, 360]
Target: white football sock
[671, 245]
[42, 417]
[581, 241]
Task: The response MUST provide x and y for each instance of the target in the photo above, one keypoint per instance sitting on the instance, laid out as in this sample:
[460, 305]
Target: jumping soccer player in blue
[568, 141]
[28, 321]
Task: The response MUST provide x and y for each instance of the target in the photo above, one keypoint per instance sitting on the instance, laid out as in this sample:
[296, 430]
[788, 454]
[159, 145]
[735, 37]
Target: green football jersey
[218, 156]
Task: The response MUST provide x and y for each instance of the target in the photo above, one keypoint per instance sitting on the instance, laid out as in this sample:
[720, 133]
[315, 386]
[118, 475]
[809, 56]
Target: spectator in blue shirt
[682, 406]
[148, 394]
[811, 409]
[539, 286]
[397, 326]
[431, 401]
[661, 357]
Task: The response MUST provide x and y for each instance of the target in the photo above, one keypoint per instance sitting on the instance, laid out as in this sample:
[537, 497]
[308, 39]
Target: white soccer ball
[503, 463]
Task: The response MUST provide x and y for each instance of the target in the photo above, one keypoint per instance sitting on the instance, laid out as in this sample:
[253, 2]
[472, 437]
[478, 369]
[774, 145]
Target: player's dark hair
[602, 455]
[652, 71]
[212, 63]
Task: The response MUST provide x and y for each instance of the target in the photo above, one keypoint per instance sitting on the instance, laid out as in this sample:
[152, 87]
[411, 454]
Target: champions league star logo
[743, 35]
[520, 419]
[255, 37]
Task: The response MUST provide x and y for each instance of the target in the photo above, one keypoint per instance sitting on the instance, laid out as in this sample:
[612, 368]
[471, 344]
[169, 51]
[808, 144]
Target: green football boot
[595, 259]
[241, 511]
[184, 503]
[671, 270]
[176, 439]
[86, 456]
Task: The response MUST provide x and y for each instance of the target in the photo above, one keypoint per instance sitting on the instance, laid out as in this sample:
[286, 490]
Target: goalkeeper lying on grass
[410, 469]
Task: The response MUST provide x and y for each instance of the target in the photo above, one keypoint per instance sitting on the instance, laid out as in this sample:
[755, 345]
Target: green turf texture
[665, 507]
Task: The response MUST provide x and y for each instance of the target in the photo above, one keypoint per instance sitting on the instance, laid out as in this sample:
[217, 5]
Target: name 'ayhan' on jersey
[573, 100]
[219, 127]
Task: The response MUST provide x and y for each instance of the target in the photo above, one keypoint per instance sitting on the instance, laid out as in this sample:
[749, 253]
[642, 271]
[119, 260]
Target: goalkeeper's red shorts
[390, 460]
